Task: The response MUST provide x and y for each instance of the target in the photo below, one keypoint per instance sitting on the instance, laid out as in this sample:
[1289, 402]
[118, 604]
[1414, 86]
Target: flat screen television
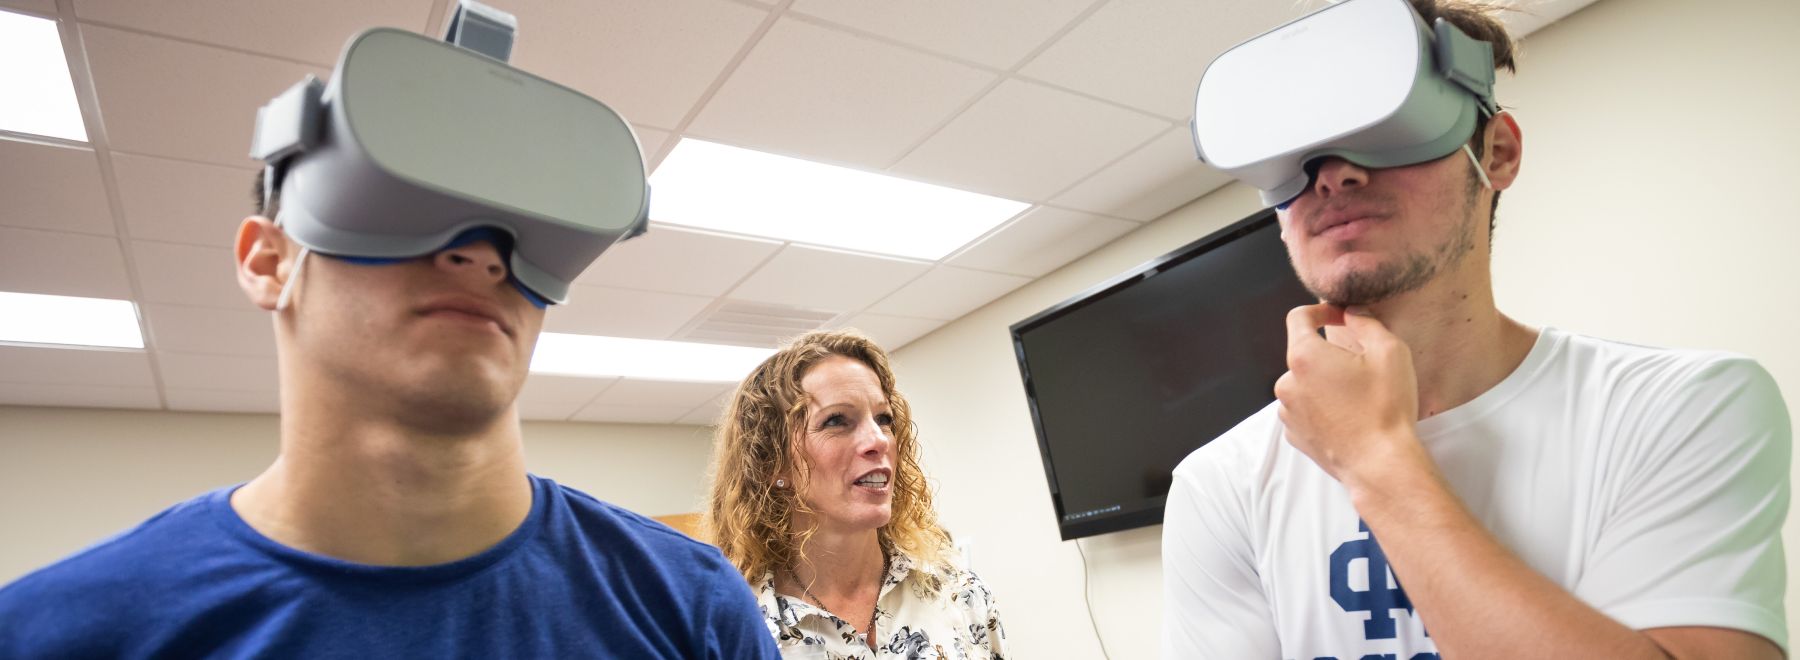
[1129, 377]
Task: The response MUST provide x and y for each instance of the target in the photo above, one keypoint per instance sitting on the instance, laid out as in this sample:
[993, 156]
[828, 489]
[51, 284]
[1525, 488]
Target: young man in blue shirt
[398, 519]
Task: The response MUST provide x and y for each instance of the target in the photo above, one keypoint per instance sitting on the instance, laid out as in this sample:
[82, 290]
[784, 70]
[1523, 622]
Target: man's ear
[262, 252]
[1505, 147]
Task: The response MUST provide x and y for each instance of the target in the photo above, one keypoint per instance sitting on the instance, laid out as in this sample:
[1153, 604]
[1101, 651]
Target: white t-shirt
[1651, 484]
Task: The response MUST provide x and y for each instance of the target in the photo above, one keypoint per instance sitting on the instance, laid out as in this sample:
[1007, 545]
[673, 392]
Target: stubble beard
[1407, 273]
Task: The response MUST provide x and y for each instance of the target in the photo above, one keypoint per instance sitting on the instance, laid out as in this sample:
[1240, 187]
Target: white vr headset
[416, 143]
[1363, 80]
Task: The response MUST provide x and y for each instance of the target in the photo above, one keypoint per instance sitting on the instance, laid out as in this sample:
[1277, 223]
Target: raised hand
[1349, 403]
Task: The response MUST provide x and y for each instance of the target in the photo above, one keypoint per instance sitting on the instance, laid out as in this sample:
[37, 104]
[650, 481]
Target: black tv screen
[1128, 378]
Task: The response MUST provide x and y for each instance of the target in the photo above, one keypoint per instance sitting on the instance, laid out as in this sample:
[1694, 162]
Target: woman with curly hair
[818, 498]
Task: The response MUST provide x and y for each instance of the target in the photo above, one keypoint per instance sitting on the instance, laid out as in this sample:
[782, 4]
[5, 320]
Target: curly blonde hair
[757, 438]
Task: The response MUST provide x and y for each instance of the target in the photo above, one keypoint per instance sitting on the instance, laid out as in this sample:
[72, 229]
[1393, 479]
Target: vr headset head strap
[1466, 61]
[482, 29]
[287, 126]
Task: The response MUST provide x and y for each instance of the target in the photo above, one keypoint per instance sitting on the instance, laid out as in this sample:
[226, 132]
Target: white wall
[70, 477]
[1656, 205]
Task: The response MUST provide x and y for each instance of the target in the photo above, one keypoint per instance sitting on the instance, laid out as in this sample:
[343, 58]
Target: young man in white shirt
[1439, 479]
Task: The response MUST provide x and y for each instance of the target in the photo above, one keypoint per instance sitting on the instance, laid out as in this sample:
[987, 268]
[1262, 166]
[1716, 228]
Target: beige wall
[70, 477]
[1655, 206]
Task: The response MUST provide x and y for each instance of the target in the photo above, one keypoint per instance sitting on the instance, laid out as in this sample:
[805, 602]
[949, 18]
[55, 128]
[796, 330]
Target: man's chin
[454, 417]
[456, 403]
[1351, 300]
[1371, 285]
[1345, 293]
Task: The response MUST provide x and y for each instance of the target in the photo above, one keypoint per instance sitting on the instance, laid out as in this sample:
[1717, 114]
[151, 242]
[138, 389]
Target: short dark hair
[267, 208]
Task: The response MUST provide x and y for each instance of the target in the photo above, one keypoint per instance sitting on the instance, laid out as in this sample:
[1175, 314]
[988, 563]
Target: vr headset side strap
[288, 125]
[1466, 61]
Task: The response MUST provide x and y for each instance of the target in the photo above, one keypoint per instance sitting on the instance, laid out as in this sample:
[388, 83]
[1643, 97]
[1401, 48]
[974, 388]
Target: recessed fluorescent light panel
[713, 186]
[41, 319]
[649, 359]
[38, 97]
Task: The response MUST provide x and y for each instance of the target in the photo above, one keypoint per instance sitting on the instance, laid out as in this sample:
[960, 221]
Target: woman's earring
[781, 483]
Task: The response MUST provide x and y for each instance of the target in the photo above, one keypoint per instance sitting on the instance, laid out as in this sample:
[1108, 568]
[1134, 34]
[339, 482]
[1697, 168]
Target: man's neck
[370, 490]
[1461, 344]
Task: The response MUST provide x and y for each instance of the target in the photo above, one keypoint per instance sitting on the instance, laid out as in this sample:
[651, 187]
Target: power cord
[1087, 595]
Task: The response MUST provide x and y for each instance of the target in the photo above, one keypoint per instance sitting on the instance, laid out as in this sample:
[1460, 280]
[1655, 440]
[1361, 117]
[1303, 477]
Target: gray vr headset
[1363, 80]
[416, 142]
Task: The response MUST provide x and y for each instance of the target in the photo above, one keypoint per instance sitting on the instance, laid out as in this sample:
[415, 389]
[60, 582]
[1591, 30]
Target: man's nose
[1337, 175]
[479, 258]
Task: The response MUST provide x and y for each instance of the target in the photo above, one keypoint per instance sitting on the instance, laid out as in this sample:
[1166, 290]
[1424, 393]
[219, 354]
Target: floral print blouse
[940, 611]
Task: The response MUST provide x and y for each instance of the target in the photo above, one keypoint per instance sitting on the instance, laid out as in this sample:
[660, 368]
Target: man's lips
[1333, 219]
[468, 309]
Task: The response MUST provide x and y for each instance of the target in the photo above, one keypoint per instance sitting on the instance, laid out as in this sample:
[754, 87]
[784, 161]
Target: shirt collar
[787, 612]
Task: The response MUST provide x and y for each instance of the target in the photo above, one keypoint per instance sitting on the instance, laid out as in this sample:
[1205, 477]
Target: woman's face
[848, 441]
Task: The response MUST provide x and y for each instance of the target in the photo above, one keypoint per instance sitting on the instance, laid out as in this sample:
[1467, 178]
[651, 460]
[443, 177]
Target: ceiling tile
[1027, 142]
[62, 264]
[45, 7]
[756, 325]
[996, 33]
[947, 293]
[75, 366]
[52, 187]
[229, 401]
[863, 105]
[540, 411]
[180, 201]
[630, 414]
[191, 371]
[548, 397]
[631, 392]
[188, 275]
[827, 280]
[706, 414]
[678, 260]
[184, 329]
[182, 100]
[1041, 241]
[650, 61]
[891, 332]
[1150, 182]
[598, 310]
[80, 396]
[312, 31]
[651, 141]
[1149, 54]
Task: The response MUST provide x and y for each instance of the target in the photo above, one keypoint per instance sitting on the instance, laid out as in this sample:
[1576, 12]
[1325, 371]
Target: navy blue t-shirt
[580, 578]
